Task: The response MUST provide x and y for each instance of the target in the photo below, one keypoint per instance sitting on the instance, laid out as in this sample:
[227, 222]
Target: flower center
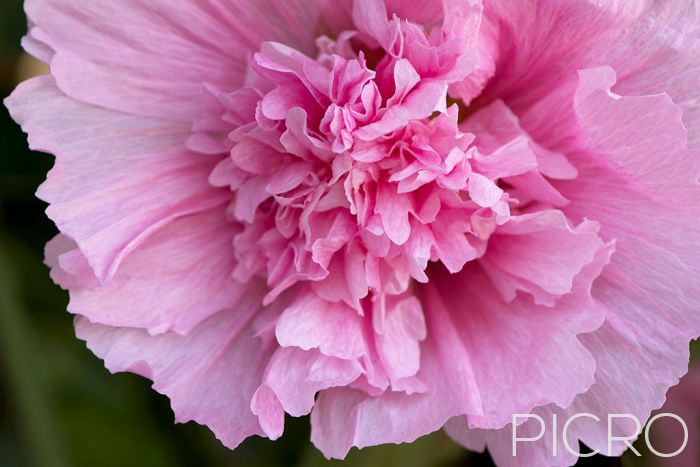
[349, 166]
[336, 158]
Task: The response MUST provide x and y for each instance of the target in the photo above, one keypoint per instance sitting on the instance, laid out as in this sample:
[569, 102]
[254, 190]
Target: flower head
[394, 216]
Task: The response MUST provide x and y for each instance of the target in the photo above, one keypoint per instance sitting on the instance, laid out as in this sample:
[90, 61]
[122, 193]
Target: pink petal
[391, 417]
[288, 177]
[541, 249]
[251, 194]
[334, 328]
[295, 376]
[269, 411]
[398, 346]
[647, 327]
[209, 375]
[426, 98]
[101, 191]
[653, 62]
[656, 133]
[513, 158]
[146, 72]
[256, 157]
[526, 342]
[394, 211]
[641, 350]
[190, 258]
[483, 191]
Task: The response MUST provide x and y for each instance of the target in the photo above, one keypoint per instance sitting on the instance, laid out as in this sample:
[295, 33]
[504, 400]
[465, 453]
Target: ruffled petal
[292, 379]
[210, 375]
[117, 178]
[155, 62]
[641, 182]
[190, 258]
[541, 254]
[311, 322]
[637, 177]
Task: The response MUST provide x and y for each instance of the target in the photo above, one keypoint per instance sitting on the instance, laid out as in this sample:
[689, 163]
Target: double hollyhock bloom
[394, 215]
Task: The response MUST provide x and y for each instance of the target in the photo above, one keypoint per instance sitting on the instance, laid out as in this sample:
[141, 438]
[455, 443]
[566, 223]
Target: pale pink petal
[101, 191]
[474, 333]
[186, 258]
[391, 417]
[398, 346]
[209, 375]
[371, 17]
[451, 244]
[334, 328]
[163, 51]
[394, 211]
[311, 372]
[428, 97]
[618, 129]
[534, 186]
[269, 412]
[483, 191]
[525, 340]
[660, 53]
[249, 196]
[641, 349]
[513, 158]
[288, 177]
[255, 157]
[549, 451]
[37, 44]
[541, 249]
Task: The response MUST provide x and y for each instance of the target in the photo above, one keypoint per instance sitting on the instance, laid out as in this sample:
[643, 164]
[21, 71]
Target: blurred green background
[58, 405]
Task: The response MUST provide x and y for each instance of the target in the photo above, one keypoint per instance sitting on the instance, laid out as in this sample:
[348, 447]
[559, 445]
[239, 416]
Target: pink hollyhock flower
[394, 215]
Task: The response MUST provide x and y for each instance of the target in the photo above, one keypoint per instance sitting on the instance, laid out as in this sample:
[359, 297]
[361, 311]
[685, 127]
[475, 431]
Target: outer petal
[532, 44]
[191, 259]
[641, 138]
[641, 182]
[209, 375]
[392, 417]
[155, 62]
[523, 355]
[117, 178]
[295, 375]
[660, 52]
[538, 454]
[398, 345]
[536, 46]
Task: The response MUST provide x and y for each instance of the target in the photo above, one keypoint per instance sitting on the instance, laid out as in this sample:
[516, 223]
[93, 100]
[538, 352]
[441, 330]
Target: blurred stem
[18, 354]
